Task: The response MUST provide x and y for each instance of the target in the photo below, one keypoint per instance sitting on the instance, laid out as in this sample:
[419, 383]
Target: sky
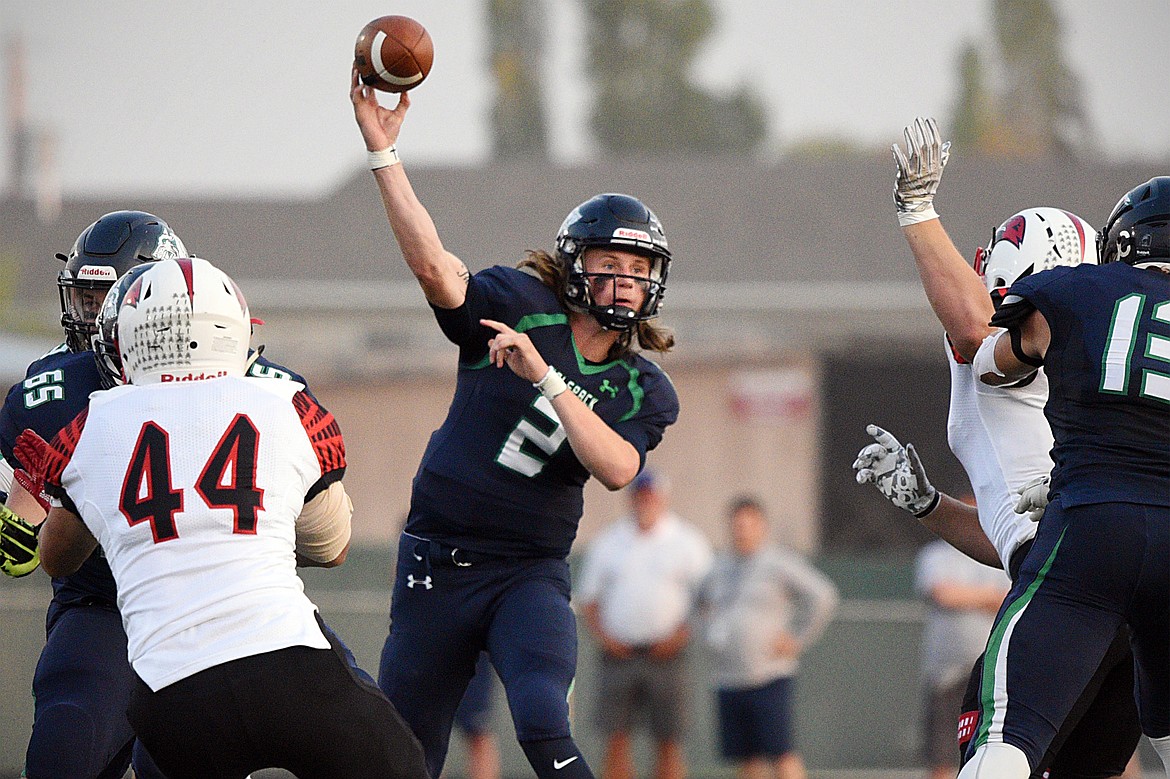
[221, 97]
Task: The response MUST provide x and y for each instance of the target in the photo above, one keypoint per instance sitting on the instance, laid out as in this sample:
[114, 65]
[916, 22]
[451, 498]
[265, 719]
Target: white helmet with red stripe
[183, 320]
[1030, 241]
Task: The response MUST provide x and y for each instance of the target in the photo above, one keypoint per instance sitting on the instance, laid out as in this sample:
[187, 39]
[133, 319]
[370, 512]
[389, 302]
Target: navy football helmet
[1138, 230]
[623, 222]
[104, 251]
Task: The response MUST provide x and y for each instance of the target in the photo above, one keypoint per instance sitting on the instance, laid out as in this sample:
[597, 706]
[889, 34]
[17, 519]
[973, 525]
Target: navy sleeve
[1027, 295]
[491, 294]
[659, 410]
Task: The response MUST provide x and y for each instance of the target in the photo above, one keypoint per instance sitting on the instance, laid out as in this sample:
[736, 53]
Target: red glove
[32, 451]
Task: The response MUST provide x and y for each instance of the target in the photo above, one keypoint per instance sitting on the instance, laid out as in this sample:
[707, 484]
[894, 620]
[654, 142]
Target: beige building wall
[740, 429]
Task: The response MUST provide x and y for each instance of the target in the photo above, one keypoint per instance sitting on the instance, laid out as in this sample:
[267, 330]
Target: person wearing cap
[638, 588]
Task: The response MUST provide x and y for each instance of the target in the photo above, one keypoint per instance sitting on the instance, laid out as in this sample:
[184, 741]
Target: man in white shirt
[638, 588]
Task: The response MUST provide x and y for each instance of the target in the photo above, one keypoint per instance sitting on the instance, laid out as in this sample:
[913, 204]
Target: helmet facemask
[103, 252]
[614, 316]
[622, 223]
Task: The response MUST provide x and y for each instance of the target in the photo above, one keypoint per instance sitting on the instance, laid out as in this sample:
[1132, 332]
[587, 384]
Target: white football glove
[1033, 497]
[919, 173]
[897, 473]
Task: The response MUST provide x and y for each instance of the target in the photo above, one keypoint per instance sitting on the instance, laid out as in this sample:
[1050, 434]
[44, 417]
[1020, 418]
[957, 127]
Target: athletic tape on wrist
[384, 158]
[552, 384]
[906, 218]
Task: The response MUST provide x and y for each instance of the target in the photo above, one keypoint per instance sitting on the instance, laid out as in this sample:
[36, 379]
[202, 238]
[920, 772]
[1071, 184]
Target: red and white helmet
[1030, 241]
[183, 320]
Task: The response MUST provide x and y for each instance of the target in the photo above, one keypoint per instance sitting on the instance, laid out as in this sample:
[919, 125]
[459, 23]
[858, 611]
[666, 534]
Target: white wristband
[552, 384]
[384, 158]
[906, 218]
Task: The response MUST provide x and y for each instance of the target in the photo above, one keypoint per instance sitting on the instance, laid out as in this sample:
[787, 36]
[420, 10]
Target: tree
[976, 119]
[1039, 111]
[1042, 105]
[517, 35]
[640, 52]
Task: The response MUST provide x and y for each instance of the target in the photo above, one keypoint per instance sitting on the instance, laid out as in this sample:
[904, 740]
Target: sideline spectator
[638, 588]
[765, 606]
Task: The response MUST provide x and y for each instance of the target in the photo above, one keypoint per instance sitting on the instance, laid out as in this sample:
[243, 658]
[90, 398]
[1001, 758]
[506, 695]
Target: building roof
[799, 236]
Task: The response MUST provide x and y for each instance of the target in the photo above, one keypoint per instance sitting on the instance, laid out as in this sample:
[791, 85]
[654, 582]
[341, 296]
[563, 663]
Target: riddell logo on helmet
[169, 377]
[97, 273]
[632, 235]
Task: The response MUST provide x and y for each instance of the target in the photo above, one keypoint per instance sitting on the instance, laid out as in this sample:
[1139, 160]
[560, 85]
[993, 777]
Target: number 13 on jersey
[1118, 364]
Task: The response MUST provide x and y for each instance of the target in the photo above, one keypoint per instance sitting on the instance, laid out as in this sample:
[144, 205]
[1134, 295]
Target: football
[393, 53]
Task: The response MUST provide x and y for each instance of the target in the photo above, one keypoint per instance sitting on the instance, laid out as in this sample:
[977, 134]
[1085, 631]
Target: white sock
[996, 761]
[1162, 747]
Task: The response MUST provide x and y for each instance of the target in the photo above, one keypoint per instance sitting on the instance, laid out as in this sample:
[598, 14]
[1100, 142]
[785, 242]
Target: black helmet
[1138, 230]
[105, 337]
[103, 252]
[623, 222]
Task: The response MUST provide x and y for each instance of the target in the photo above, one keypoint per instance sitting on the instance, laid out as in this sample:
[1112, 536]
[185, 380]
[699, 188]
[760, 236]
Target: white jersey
[1002, 439]
[193, 492]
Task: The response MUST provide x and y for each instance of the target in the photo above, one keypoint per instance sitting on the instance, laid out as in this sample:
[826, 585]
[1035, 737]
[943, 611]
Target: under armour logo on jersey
[425, 581]
[608, 389]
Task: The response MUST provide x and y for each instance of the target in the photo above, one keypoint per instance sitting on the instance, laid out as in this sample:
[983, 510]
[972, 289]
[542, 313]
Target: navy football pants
[82, 686]
[1091, 569]
[443, 615]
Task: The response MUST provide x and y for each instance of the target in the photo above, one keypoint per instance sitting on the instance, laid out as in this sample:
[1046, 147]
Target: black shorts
[298, 708]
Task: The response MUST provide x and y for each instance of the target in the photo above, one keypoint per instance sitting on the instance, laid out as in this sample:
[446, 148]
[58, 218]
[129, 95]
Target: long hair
[555, 275]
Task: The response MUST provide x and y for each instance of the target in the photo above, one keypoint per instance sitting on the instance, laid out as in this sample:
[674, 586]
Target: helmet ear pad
[1137, 231]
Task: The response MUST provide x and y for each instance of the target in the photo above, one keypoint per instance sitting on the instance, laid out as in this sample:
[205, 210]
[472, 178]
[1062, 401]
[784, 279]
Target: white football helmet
[1030, 241]
[183, 320]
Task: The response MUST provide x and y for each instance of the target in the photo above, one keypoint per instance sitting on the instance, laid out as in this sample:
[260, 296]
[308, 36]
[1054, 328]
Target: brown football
[393, 53]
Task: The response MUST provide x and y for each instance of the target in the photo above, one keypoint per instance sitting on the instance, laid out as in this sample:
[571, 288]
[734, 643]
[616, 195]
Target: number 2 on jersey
[1117, 362]
[528, 447]
[228, 480]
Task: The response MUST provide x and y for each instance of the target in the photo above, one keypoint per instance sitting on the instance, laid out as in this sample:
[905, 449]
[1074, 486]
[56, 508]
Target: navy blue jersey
[1108, 369]
[498, 476]
[56, 388]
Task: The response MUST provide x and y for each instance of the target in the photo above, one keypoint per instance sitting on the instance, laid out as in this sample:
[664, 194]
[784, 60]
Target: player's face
[84, 304]
[617, 277]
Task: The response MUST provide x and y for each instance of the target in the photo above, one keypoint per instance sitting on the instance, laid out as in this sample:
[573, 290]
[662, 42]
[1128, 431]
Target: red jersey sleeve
[60, 452]
[323, 431]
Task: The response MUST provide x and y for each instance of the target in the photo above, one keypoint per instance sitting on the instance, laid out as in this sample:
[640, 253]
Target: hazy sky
[221, 96]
